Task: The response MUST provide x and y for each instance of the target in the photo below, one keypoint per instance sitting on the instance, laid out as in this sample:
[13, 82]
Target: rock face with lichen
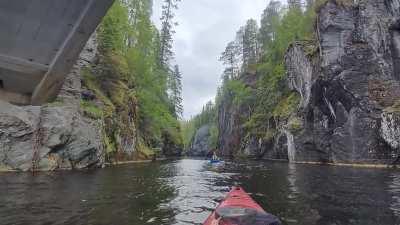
[231, 138]
[348, 85]
[91, 122]
[53, 136]
[200, 146]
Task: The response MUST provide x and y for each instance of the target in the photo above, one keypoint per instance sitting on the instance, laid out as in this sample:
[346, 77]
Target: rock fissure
[37, 142]
[347, 110]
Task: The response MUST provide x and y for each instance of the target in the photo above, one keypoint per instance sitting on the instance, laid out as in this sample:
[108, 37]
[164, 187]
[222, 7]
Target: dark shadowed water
[185, 192]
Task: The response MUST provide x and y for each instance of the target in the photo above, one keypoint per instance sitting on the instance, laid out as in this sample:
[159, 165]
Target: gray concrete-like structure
[40, 40]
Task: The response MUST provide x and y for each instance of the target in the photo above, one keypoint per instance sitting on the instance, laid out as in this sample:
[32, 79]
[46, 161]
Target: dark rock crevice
[344, 115]
[349, 91]
[395, 48]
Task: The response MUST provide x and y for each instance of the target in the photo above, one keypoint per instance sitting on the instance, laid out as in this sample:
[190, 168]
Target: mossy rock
[56, 103]
[115, 102]
[91, 110]
[119, 65]
[270, 135]
[395, 108]
[295, 124]
[109, 144]
[145, 152]
[310, 46]
[119, 93]
[4, 168]
[287, 106]
[92, 83]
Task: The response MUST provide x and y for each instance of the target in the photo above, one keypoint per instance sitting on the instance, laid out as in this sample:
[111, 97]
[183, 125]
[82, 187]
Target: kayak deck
[237, 197]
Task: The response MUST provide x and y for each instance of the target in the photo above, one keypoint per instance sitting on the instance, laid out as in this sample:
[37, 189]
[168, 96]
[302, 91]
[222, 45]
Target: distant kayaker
[214, 157]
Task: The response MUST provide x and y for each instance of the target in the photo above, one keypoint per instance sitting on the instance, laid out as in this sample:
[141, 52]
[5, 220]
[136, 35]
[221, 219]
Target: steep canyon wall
[349, 87]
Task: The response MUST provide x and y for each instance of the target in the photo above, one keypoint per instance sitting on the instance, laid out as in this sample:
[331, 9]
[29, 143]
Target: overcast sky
[205, 27]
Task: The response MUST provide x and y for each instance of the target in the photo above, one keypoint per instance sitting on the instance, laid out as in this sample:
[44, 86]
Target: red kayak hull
[237, 197]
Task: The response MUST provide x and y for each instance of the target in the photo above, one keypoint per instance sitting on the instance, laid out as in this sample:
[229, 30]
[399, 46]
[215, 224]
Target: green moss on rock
[395, 108]
[295, 124]
[287, 106]
[93, 84]
[91, 110]
[144, 152]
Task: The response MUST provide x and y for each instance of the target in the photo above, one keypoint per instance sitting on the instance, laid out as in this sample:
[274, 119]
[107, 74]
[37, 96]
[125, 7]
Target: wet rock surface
[349, 87]
[200, 146]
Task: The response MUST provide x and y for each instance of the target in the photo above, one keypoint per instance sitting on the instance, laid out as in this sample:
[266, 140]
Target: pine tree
[167, 31]
[294, 4]
[176, 92]
[269, 21]
[310, 3]
[239, 42]
[231, 58]
[250, 43]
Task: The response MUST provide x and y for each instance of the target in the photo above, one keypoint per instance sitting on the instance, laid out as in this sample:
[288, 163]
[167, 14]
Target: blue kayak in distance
[215, 161]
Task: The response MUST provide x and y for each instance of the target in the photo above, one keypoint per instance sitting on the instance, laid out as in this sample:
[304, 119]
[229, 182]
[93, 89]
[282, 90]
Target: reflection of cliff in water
[134, 195]
[331, 193]
[394, 188]
[298, 187]
[185, 192]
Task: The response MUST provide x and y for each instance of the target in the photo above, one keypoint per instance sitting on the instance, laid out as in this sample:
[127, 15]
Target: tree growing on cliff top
[166, 54]
[241, 52]
[176, 92]
[167, 25]
[250, 43]
[114, 29]
[130, 39]
[269, 21]
[294, 4]
[231, 58]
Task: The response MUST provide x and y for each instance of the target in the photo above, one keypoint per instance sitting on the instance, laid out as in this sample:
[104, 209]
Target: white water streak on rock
[290, 146]
[390, 129]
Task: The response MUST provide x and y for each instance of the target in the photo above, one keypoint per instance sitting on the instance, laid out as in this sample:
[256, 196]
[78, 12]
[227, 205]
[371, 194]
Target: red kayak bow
[238, 208]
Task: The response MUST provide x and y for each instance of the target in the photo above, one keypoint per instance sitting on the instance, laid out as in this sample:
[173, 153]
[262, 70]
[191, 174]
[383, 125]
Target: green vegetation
[254, 81]
[91, 110]
[286, 106]
[239, 92]
[132, 81]
[295, 124]
[273, 100]
[136, 85]
[207, 116]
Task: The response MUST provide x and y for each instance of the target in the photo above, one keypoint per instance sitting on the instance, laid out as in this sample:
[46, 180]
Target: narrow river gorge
[186, 191]
[293, 92]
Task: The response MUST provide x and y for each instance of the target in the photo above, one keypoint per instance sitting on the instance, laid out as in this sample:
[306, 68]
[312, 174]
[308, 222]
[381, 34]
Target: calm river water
[186, 191]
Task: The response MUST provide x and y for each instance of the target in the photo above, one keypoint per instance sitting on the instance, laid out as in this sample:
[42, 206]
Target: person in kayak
[214, 157]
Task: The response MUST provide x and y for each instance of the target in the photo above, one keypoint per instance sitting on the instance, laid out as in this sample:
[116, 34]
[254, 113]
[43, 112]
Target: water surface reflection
[185, 192]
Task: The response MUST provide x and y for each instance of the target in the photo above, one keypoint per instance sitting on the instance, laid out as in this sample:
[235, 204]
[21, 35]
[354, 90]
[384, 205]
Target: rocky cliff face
[349, 86]
[200, 145]
[93, 119]
[232, 138]
[53, 136]
[229, 126]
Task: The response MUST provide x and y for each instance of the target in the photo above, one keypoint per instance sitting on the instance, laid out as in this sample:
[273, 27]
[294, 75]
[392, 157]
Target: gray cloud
[205, 27]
